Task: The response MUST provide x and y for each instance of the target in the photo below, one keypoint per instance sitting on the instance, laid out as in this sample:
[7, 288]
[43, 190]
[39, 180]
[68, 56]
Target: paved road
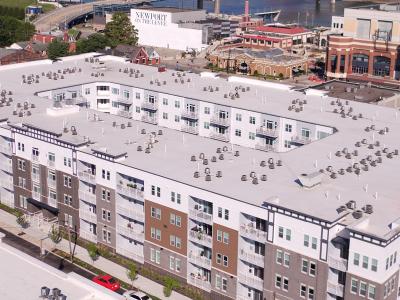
[52, 19]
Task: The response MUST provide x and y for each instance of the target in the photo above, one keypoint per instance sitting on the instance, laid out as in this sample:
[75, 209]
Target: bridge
[69, 14]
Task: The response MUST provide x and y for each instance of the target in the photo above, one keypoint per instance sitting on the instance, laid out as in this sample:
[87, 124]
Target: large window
[381, 66]
[363, 28]
[359, 63]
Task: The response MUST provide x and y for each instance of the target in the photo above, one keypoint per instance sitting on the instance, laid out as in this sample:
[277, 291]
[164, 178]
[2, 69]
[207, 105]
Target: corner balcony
[251, 281]
[189, 115]
[301, 140]
[253, 233]
[223, 122]
[7, 184]
[6, 149]
[337, 263]
[6, 165]
[130, 191]
[130, 211]
[200, 238]
[124, 113]
[201, 216]
[200, 283]
[149, 106]
[335, 288]
[265, 147]
[87, 196]
[88, 215]
[190, 129]
[199, 260]
[132, 233]
[267, 132]
[148, 119]
[251, 257]
[87, 235]
[223, 137]
[87, 176]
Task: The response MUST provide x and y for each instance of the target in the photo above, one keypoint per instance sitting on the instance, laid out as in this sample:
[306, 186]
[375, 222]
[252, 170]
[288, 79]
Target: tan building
[271, 62]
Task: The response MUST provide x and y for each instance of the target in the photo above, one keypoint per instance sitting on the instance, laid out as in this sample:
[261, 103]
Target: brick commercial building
[244, 189]
[368, 50]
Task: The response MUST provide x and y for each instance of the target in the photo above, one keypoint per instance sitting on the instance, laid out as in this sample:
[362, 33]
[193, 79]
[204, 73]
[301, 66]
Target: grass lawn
[17, 3]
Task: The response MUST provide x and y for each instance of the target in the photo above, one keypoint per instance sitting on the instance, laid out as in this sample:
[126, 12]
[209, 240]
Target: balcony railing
[87, 235]
[148, 119]
[265, 147]
[149, 106]
[124, 113]
[6, 165]
[87, 196]
[219, 136]
[7, 184]
[251, 257]
[267, 132]
[51, 163]
[130, 211]
[87, 215]
[335, 288]
[125, 101]
[200, 216]
[199, 260]
[201, 238]
[51, 183]
[191, 115]
[190, 129]
[36, 177]
[130, 191]
[201, 283]
[251, 280]
[337, 263]
[87, 176]
[216, 120]
[253, 233]
[132, 233]
[301, 140]
[136, 254]
[6, 149]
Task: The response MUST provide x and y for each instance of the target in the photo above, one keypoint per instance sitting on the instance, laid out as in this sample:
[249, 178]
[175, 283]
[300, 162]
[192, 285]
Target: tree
[120, 30]
[169, 284]
[22, 221]
[131, 272]
[13, 30]
[93, 43]
[55, 235]
[93, 252]
[57, 49]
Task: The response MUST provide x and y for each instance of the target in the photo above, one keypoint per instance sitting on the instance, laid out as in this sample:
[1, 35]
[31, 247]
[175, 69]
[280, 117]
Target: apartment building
[367, 47]
[176, 171]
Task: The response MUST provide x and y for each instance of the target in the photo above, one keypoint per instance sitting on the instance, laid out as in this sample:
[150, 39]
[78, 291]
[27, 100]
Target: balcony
[199, 260]
[130, 211]
[130, 191]
[200, 238]
[6, 165]
[201, 283]
[200, 216]
[51, 183]
[265, 147]
[190, 129]
[253, 233]
[51, 163]
[335, 288]
[149, 106]
[251, 257]
[87, 196]
[190, 115]
[35, 177]
[251, 280]
[132, 233]
[223, 137]
[87, 176]
[124, 113]
[267, 132]
[301, 140]
[223, 122]
[7, 184]
[6, 149]
[87, 235]
[132, 254]
[149, 119]
[88, 215]
[337, 263]
[35, 158]
[125, 101]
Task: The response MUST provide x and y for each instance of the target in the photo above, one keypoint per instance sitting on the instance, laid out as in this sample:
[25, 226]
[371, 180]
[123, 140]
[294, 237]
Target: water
[306, 11]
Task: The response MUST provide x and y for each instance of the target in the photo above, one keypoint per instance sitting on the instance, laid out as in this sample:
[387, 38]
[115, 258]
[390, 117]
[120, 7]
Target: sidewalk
[34, 235]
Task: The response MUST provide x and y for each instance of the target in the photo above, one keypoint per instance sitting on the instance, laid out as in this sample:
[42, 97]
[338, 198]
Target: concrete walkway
[35, 235]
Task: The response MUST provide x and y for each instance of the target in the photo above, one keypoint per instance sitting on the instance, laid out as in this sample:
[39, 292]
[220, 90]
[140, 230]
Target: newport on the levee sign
[150, 18]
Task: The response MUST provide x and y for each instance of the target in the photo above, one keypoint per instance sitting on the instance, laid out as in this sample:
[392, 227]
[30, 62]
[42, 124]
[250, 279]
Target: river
[306, 11]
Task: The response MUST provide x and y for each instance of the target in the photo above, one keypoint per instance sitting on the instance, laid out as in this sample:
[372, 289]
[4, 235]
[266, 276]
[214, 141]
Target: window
[279, 257]
[165, 116]
[365, 262]
[23, 203]
[218, 282]
[172, 263]
[137, 96]
[306, 240]
[288, 234]
[155, 233]
[252, 136]
[311, 293]
[67, 200]
[155, 256]
[226, 215]
[305, 133]
[288, 128]
[238, 117]
[175, 241]
[313, 268]
[137, 109]
[21, 165]
[238, 132]
[67, 181]
[285, 284]
[67, 162]
[278, 281]
[314, 242]
[219, 235]
[105, 195]
[206, 125]
[374, 265]
[176, 197]
[223, 213]
[218, 258]
[280, 232]
[371, 291]
[177, 265]
[206, 110]
[21, 147]
[225, 260]
[115, 91]
[68, 220]
[354, 286]
[304, 266]
[226, 238]
[105, 174]
[303, 290]
[87, 91]
[156, 191]
[35, 152]
[363, 289]
[252, 120]
[156, 213]
[175, 220]
[287, 144]
[177, 104]
[126, 94]
[165, 101]
[286, 259]
[22, 182]
[224, 284]
[356, 259]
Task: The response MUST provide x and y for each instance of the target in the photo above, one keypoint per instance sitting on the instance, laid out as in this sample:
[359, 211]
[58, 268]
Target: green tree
[93, 252]
[57, 49]
[131, 272]
[13, 30]
[120, 30]
[22, 221]
[169, 284]
[55, 235]
[93, 43]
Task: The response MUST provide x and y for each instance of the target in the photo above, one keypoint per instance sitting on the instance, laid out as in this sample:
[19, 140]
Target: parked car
[132, 295]
[107, 281]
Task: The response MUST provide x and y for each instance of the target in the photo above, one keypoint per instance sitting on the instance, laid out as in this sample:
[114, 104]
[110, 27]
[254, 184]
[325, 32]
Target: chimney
[246, 11]
[217, 7]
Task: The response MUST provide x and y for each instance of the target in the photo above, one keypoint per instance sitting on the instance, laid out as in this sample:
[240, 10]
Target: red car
[107, 281]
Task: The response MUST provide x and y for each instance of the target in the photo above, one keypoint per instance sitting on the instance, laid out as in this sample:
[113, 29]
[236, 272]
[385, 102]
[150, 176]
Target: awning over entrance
[42, 205]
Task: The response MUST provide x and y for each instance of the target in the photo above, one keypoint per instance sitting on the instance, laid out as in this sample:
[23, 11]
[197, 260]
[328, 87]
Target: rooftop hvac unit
[243, 178]
[255, 180]
[357, 214]
[263, 177]
[205, 161]
[208, 177]
[351, 204]
[219, 174]
[341, 209]
[193, 158]
[214, 159]
[237, 153]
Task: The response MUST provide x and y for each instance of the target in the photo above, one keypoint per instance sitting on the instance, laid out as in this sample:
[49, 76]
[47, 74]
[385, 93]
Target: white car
[132, 295]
